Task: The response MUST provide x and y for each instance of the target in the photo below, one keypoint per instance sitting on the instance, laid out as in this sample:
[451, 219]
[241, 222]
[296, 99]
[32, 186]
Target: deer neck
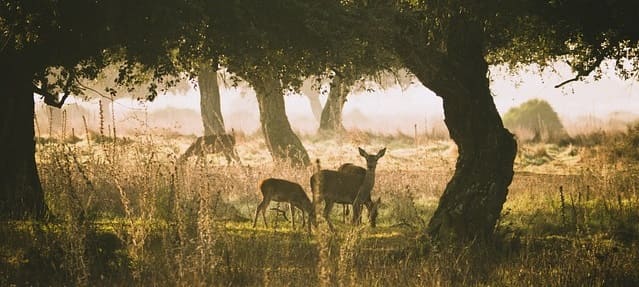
[368, 183]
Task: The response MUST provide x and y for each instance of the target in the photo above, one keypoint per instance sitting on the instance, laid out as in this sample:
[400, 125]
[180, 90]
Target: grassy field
[124, 213]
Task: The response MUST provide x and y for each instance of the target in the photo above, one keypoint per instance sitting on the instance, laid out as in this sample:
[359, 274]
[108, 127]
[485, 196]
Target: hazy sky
[392, 109]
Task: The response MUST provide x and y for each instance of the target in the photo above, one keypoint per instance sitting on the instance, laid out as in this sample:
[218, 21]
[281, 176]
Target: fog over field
[608, 103]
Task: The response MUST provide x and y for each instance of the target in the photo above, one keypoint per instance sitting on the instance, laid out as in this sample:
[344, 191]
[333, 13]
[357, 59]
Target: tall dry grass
[123, 212]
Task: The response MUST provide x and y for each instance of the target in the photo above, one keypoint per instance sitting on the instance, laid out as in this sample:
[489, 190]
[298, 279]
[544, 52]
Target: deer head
[371, 160]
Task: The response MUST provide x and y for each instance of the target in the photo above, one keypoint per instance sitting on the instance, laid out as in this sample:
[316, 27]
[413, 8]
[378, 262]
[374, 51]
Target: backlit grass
[127, 214]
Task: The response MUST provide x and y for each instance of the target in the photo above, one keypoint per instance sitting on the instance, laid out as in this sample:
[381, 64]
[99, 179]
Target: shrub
[536, 117]
[624, 147]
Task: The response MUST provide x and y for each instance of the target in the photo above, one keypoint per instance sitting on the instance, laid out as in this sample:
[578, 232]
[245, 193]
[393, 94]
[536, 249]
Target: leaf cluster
[156, 43]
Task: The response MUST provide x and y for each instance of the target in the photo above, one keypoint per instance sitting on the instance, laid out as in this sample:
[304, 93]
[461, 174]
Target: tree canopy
[304, 37]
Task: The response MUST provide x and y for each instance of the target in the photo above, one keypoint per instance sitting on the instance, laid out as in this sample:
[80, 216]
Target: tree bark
[210, 107]
[21, 194]
[282, 142]
[331, 120]
[474, 197]
[312, 88]
[316, 105]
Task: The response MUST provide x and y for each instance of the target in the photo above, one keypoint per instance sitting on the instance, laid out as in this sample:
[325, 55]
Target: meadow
[125, 213]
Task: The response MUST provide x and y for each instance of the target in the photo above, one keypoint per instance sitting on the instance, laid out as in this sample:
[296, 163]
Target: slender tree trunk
[331, 120]
[473, 199]
[311, 88]
[210, 107]
[282, 142]
[316, 105]
[21, 195]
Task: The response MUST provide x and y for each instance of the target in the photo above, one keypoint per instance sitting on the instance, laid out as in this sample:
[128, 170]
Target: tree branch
[582, 74]
[577, 78]
[92, 90]
[51, 99]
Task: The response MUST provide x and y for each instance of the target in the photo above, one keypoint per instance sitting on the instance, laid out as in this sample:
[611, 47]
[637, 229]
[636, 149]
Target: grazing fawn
[224, 143]
[337, 187]
[280, 190]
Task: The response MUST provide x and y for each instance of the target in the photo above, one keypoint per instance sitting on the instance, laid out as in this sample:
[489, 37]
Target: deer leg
[345, 212]
[304, 222]
[292, 208]
[264, 217]
[235, 155]
[357, 212]
[257, 212]
[261, 208]
[303, 218]
[228, 158]
[327, 214]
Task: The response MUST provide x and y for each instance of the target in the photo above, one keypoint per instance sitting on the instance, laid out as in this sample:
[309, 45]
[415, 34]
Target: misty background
[583, 106]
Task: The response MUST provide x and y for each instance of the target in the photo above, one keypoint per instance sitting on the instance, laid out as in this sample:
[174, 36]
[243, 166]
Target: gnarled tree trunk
[331, 120]
[21, 195]
[210, 107]
[282, 142]
[473, 199]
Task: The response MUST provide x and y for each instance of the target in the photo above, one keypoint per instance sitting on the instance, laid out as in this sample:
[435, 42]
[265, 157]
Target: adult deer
[224, 143]
[337, 187]
[280, 190]
[352, 169]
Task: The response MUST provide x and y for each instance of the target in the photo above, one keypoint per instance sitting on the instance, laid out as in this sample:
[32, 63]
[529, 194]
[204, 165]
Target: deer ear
[362, 152]
[381, 153]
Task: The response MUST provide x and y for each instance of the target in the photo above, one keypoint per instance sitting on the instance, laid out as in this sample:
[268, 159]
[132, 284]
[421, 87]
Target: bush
[535, 117]
[624, 147]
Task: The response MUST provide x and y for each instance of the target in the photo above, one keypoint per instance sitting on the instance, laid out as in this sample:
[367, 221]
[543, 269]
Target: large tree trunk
[331, 120]
[210, 107]
[473, 199]
[21, 195]
[282, 142]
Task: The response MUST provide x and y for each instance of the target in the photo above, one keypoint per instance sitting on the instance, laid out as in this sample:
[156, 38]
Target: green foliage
[60, 43]
[403, 211]
[165, 40]
[523, 32]
[535, 116]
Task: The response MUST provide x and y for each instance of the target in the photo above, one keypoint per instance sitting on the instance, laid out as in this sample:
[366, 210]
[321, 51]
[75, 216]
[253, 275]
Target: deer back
[349, 168]
[281, 190]
[219, 142]
[335, 186]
